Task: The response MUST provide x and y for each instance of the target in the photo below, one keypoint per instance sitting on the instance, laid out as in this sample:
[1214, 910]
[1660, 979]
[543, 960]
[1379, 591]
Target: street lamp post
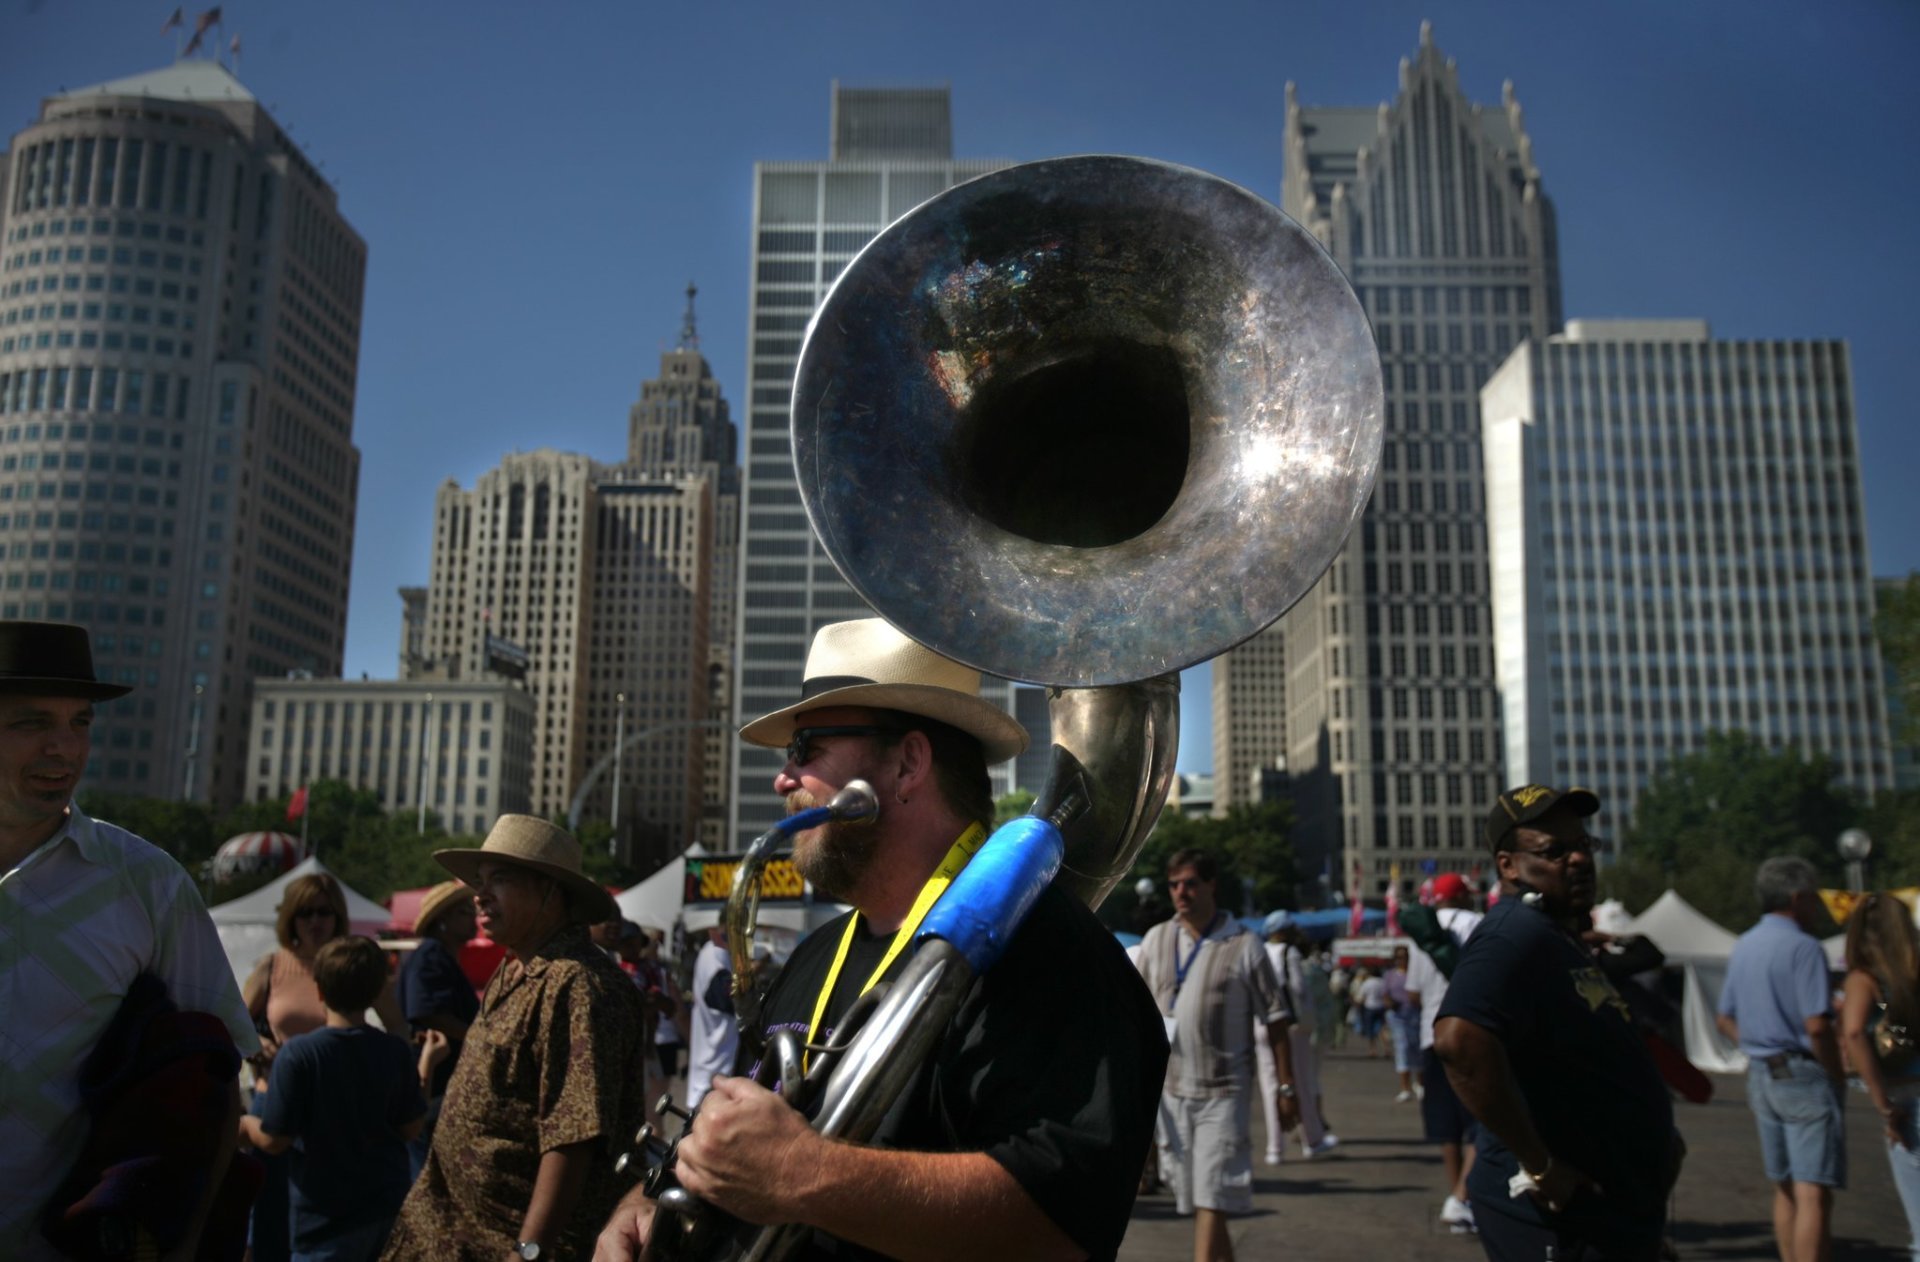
[1854, 846]
[619, 739]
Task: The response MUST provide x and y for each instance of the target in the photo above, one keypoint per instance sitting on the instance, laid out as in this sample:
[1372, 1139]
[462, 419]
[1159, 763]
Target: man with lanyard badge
[1212, 980]
[1025, 1132]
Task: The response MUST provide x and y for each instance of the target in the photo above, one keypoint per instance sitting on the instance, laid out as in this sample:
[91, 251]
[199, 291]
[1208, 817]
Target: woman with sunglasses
[284, 1001]
[1883, 989]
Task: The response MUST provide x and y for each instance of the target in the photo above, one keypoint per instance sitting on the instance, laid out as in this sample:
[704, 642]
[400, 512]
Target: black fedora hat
[50, 659]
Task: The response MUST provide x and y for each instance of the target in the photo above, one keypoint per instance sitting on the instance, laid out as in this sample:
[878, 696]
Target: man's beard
[837, 854]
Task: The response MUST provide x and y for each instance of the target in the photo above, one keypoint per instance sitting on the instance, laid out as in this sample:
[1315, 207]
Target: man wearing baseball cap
[1025, 1133]
[1442, 1116]
[1576, 1144]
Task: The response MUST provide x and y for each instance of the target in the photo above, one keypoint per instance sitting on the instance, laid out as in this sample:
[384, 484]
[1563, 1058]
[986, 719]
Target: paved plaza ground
[1377, 1197]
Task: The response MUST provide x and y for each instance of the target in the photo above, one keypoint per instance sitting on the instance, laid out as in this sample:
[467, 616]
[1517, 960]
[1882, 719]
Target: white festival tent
[1699, 948]
[245, 924]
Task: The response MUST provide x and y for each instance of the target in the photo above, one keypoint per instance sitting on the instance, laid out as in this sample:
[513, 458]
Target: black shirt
[1596, 1098]
[1052, 1066]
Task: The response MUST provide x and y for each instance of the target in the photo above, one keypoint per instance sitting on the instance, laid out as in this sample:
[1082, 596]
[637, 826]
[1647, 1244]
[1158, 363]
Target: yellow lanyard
[957, 857]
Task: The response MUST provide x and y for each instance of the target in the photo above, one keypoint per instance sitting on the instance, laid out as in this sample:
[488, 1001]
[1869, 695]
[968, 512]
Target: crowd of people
[405, 1116]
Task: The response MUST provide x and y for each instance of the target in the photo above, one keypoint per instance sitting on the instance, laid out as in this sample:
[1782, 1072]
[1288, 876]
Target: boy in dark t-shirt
[346, 1098]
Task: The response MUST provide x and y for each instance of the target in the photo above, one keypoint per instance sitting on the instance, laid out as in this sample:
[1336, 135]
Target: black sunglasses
[800, 747]
[1558, 849]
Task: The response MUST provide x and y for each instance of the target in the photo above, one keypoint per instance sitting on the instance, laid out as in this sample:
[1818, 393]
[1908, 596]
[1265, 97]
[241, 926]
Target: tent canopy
[1682, 933]
[245, 924]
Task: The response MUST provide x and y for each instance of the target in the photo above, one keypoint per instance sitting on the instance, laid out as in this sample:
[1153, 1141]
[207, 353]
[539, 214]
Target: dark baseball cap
[1528, 803]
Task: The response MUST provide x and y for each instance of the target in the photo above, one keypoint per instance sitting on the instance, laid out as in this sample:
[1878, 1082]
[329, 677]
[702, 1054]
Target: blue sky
[538, 182]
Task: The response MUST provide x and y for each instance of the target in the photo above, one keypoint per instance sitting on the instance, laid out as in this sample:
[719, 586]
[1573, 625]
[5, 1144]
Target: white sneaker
[1458, 1216]
[1403, 1097]
[1274, 1157]
[1327, 1144]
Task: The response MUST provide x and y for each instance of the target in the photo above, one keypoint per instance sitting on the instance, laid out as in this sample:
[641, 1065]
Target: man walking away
[1445, 1119]
[1777, 1004]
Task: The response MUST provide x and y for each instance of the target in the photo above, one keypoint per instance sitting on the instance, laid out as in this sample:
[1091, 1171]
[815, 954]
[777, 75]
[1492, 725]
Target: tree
[1708, 819]
[1252, 846]
[1012, 806]
[1897, 622]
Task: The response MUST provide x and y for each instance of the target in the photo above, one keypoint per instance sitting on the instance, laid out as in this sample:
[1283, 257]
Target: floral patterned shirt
[554, 1058]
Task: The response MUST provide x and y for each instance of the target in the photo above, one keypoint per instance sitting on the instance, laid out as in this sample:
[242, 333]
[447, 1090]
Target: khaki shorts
[1206, 1153]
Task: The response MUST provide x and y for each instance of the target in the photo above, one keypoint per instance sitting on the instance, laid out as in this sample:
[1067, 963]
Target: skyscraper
[1679, 547]
[1433, 207]
[595, 578]
[682, 427]
[179, 335]
[891, 149]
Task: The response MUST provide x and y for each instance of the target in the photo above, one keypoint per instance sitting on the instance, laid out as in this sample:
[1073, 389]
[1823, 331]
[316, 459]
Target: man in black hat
[1577, 1146]
[1025, 1133]
[85, 908]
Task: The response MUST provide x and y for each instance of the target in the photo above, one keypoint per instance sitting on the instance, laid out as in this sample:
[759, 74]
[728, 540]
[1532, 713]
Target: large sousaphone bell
[1086, 422]
[1079, 423]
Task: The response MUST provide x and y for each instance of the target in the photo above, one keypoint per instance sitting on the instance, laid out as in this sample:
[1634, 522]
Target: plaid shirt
[1229, 985]
[80, 918]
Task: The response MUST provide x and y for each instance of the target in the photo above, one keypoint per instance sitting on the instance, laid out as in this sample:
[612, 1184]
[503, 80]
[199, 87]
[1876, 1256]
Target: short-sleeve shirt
[343, 1094]
[1051, 1066]
[1215, 988]
[1776, 978]
[1589, 1083]
[1424, 977]
[554, 1058]
[80, 918]
[432, 983]
[1296, 975]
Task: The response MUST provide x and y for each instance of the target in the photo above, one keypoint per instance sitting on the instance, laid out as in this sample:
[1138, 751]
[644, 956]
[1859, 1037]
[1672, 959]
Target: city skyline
[534, 205]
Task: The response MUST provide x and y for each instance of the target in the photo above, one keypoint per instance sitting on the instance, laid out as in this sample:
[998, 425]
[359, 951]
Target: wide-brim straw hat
[440, 898]
[528, 841]
[50, 659]
[868, 662]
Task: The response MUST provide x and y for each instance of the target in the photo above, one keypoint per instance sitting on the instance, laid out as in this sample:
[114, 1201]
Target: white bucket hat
[868, 662]
[528, 841]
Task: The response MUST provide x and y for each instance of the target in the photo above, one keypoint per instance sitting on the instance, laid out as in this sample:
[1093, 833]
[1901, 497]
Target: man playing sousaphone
[1026, 1131]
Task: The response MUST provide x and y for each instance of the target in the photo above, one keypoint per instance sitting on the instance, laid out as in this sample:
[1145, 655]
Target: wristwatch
[1286, 1090]
[528, 1249]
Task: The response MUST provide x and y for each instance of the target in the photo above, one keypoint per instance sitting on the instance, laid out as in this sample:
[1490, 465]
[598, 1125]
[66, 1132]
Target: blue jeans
[1906, 1166]
[1802, 1131]
[1406, 1039]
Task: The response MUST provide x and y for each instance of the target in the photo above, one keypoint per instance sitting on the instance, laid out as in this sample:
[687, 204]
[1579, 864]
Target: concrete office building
[598, 575]
[180, 306]
[1433, 207]
[467, 746]
[1679, 547]
[890, 150]
[681, 426]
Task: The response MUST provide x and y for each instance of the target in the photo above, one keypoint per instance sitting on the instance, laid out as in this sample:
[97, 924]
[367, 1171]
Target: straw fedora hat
[50, 659]
[867, 662]
[439, 899]
[528, 841]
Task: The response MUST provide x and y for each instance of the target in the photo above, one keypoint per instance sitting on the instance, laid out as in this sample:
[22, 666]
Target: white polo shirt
[80, 918]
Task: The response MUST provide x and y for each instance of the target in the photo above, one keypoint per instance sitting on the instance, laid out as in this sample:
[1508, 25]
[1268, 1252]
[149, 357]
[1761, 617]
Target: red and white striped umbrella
[254, 853]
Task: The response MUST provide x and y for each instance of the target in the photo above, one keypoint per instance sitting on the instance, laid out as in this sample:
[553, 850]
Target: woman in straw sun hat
[435, 993]
[548, 1088]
